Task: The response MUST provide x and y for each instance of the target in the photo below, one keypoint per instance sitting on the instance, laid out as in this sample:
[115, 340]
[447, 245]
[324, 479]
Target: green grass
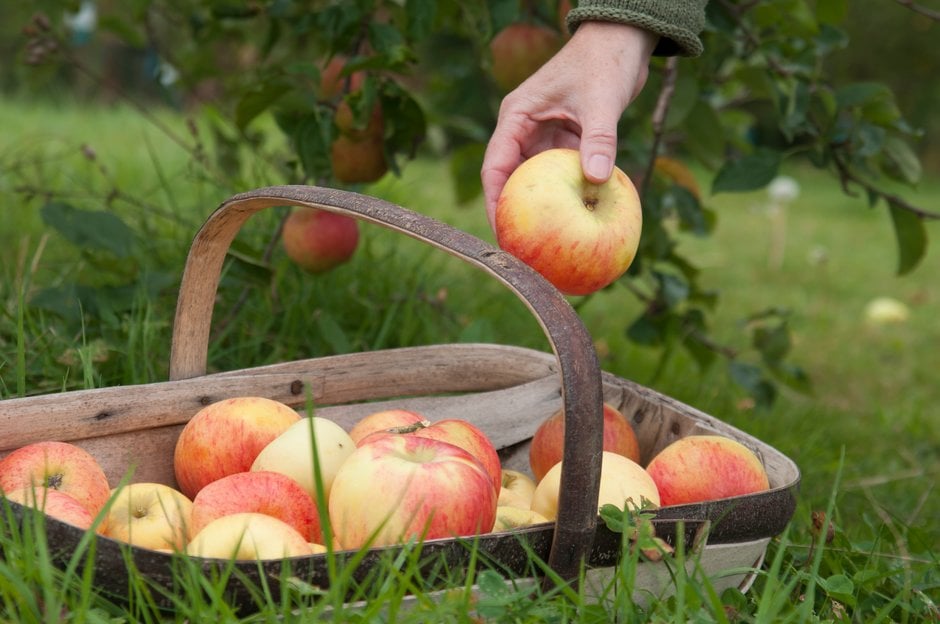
[867, 439]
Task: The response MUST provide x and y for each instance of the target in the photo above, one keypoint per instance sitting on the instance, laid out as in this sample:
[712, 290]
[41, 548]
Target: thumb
[598, 149]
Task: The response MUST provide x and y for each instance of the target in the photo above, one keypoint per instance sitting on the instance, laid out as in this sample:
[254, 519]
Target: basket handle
[581, 387]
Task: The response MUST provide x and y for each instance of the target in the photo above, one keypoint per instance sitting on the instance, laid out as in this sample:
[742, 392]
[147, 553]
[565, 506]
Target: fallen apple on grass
[150, 515]
[548, 442]
[292, 453]
[580, 236]
[61, 466]
[319, 240]
[53, 503]
[225, 437]
[699, 468]
[248, 535]
[622, 482]
[400, 487]
[270, 493]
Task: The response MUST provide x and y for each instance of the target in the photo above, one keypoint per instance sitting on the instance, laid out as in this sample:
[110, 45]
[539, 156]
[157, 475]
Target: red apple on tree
[225, 437]
[59, 466]
[580, 236]
[549, 440]
[518, 50]
[399, 487]
[266, 492]
[700, 468]
[318, 240]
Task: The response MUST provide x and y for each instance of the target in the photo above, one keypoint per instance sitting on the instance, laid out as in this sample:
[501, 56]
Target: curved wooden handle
[580, 372]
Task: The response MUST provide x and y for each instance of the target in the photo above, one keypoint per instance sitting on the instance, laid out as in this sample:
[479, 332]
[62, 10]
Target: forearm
[676, 22]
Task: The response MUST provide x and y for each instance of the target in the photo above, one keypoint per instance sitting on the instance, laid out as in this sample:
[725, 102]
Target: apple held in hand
[517, 489]
[270, 493]
[458, 432]
[59, 466]
[150, 515]
[548, 443]
[53, 503]
[319, 240]
[699, 468]
[622, 480]
[249, 535]
[292, 453]
[399, 487]
[225, 437]
[383, 420]
[580, 236]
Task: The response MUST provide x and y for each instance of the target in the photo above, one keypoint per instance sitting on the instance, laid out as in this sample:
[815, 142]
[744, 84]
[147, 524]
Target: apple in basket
[225, 437]
[516, 489]
[53, 503]
[149, 515]
[509, 518]
[292, 453]
[549, 440]
[250, 535]
[61, 466]
[580, 236]
[458, 432]
[266, 492]
[382, 420]
[622, 480]
[699, 468]
[399, 487]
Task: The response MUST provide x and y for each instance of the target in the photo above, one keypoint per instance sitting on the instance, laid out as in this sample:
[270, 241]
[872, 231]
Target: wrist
[619, 39]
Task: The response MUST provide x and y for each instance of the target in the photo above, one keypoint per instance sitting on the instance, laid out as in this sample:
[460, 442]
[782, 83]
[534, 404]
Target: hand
[575, 100]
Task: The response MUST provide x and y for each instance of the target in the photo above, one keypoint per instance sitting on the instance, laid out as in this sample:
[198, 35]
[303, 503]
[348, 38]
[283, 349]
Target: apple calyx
[54, 481]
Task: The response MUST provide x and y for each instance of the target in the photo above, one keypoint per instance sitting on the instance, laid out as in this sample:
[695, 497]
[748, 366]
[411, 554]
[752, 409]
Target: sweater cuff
[677, 22]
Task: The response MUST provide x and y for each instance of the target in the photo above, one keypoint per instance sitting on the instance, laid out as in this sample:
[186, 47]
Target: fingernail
[599, 167]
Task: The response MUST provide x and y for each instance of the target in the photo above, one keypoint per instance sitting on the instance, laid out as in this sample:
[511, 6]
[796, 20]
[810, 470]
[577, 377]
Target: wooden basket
[507, 391]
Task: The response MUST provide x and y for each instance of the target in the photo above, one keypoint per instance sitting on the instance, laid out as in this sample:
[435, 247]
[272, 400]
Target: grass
[867, 439]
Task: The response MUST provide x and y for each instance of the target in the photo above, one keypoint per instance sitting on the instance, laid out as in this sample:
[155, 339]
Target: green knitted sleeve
[677, 22]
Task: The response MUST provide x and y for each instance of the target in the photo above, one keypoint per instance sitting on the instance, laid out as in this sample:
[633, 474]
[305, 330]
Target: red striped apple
[519, 49]
[248, 535]
[400, 487]
[319, 240]
[456, 431]
[548, 443]
[225, 437]
[623, 481]
[580, 236]
[291, 453]
[699, 468]
[150, 515]
[270, 493]
[59, 466]
[54, 503]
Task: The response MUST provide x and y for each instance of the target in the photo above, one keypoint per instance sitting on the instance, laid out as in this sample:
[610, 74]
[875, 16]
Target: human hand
[575, 100]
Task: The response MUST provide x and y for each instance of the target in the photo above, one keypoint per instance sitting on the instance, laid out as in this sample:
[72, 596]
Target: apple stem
[415, 426]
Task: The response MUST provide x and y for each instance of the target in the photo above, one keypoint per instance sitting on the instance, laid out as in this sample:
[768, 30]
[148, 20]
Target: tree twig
[659, 118]
[920, 9]
[848, 178]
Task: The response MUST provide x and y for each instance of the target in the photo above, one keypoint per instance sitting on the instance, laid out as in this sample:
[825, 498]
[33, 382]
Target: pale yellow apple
[508, 518]
[150, 515]
[517, 489]
[291, 453]
[248, 535]
[622, 480]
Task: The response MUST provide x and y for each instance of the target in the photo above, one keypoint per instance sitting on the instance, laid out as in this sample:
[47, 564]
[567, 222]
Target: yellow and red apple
[383, 420]
[225, 437]
[59, 466]
[249, 535]
[579, 235]
[400, 487]
[699, 468]
[53, 503]
[548, 442]
[519, 49]
[319, 240]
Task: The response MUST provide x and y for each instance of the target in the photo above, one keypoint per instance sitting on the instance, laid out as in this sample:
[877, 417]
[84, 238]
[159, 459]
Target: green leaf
[333, 333]
[902, 163]
[645, 331]
[747, 173]
[859, 93]
[90, 229]
[839, 587]
[256, 101]
[911, 235]
[750, 378]
[420, 14]
[773, 343]
[465, 164]
[704, 133]
[831, 11]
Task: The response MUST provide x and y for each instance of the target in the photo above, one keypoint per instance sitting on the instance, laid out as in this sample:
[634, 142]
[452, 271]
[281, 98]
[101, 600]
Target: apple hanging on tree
[319, 240]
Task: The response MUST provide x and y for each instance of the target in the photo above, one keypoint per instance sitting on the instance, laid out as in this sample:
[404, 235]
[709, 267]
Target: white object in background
[782, 191]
